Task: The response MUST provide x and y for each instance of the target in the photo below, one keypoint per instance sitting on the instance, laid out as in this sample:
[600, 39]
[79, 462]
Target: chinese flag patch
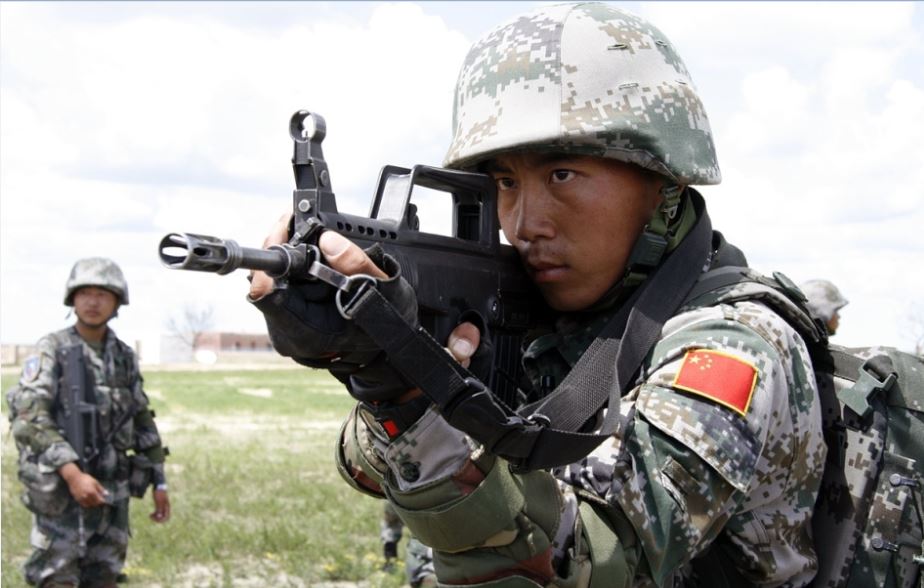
[723, 378]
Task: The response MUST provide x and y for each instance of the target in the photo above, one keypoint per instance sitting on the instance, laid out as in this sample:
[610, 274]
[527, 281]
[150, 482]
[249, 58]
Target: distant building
[218, 346]
[221, 346]
[13, 354]
[218, 342]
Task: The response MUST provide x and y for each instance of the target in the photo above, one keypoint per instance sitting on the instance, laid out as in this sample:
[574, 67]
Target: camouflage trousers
[63, 554]
[418, 558]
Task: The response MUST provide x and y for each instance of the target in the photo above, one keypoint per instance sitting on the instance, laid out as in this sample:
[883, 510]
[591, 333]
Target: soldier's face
[834, 323]
[574, 220]
[94, 306]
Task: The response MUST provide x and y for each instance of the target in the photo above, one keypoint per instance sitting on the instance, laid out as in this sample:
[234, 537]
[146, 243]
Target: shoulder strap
[626, 340]
[533, 440]
[777, 292]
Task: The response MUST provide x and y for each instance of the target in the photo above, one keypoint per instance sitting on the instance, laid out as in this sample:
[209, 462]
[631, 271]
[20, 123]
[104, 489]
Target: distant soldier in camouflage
[825, 301]
[80, 518]
[590, 124]
[392, 529]
[418, 561]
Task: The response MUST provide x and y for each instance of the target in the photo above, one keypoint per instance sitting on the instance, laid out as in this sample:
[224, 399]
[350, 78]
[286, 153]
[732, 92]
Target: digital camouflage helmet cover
[582, 78]
[824, 299]
[99, 272]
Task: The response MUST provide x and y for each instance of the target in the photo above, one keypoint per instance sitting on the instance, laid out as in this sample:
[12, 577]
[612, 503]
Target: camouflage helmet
[582, 78]
[824, 299]
[99, 272]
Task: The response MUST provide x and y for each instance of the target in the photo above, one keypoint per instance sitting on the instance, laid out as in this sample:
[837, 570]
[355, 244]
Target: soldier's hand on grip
[85, 489]
[463, 343]
[304, 322]
[261, 283]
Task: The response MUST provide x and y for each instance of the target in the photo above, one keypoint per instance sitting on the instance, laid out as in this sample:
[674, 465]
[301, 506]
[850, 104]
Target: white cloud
[120, 122]
[775, 110]
[817, 113]
[117, 129]
[778, 30]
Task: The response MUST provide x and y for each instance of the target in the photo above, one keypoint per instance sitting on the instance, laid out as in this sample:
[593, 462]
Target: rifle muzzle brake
[203, 253]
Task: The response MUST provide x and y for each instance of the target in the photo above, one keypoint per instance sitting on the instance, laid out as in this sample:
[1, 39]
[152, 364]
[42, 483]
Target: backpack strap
[777, 292]
[870, 377]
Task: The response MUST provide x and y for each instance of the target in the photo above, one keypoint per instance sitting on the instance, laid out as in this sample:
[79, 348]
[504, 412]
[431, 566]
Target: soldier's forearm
[69, 472]
[464, 503]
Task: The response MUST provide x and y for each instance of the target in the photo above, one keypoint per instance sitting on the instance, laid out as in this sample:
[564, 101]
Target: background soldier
[824, 301]
[392, 528]
[80, 516]
[418, 561]
[594, 132]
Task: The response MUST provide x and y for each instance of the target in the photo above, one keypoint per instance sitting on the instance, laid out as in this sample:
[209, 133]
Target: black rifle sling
[461, 398]
[605, 371]
[527, 441]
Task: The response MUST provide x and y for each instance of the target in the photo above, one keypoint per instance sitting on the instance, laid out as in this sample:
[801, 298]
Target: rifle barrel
[203, 253]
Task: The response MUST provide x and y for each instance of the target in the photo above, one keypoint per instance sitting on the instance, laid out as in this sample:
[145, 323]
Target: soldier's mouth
[544, 272]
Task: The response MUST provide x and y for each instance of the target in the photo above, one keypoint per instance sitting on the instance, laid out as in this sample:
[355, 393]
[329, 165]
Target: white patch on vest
[31, 368]
[38, 539]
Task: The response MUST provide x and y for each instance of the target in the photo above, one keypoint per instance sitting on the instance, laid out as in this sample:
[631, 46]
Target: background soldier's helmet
[824, 299]
[582, 78]
[99, 272]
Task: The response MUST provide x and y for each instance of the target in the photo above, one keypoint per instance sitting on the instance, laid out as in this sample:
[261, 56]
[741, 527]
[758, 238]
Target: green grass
[256, 497]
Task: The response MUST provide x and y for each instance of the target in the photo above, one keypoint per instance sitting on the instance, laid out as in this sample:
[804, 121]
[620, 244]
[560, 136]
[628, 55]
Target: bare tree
[914, 327]
[919, 337]
[189, 326]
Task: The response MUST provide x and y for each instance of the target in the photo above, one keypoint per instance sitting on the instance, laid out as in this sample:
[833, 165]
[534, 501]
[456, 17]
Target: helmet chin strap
[658, 237]
[668, 226]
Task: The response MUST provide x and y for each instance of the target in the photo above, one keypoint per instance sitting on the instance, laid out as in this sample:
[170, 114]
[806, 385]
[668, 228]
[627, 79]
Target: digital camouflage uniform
[705, 485]
[73, 544]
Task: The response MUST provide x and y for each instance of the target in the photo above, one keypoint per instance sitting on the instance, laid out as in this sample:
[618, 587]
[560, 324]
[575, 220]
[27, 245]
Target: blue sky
[120, 122]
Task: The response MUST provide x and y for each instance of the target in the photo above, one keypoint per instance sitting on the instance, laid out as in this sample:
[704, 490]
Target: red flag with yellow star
[724, 378]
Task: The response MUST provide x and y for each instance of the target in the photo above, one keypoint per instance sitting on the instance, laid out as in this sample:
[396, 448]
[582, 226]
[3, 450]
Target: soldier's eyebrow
[492, 167]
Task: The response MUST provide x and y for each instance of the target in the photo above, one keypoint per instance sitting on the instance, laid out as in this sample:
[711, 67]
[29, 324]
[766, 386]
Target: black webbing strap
[717, 279]
[619, 349]
[523, 439]
[461, 398]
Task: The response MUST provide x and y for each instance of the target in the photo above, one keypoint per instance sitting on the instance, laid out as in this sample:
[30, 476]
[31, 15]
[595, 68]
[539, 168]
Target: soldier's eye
[561, 175]
[505, 183]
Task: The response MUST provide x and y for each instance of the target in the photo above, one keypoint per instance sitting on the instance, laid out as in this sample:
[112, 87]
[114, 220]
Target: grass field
[256, 497]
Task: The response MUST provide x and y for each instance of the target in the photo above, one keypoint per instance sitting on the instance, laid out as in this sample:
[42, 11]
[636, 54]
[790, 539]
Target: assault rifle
[79, 417]
[469, 275]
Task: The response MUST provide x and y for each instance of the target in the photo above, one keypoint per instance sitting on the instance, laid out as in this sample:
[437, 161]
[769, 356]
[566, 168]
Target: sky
[121, 122]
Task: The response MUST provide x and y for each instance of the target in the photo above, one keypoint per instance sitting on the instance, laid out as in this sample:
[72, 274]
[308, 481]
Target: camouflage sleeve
[700, 462]
[34, 426]
[359, 462]
[639, 509]
[483, 521]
